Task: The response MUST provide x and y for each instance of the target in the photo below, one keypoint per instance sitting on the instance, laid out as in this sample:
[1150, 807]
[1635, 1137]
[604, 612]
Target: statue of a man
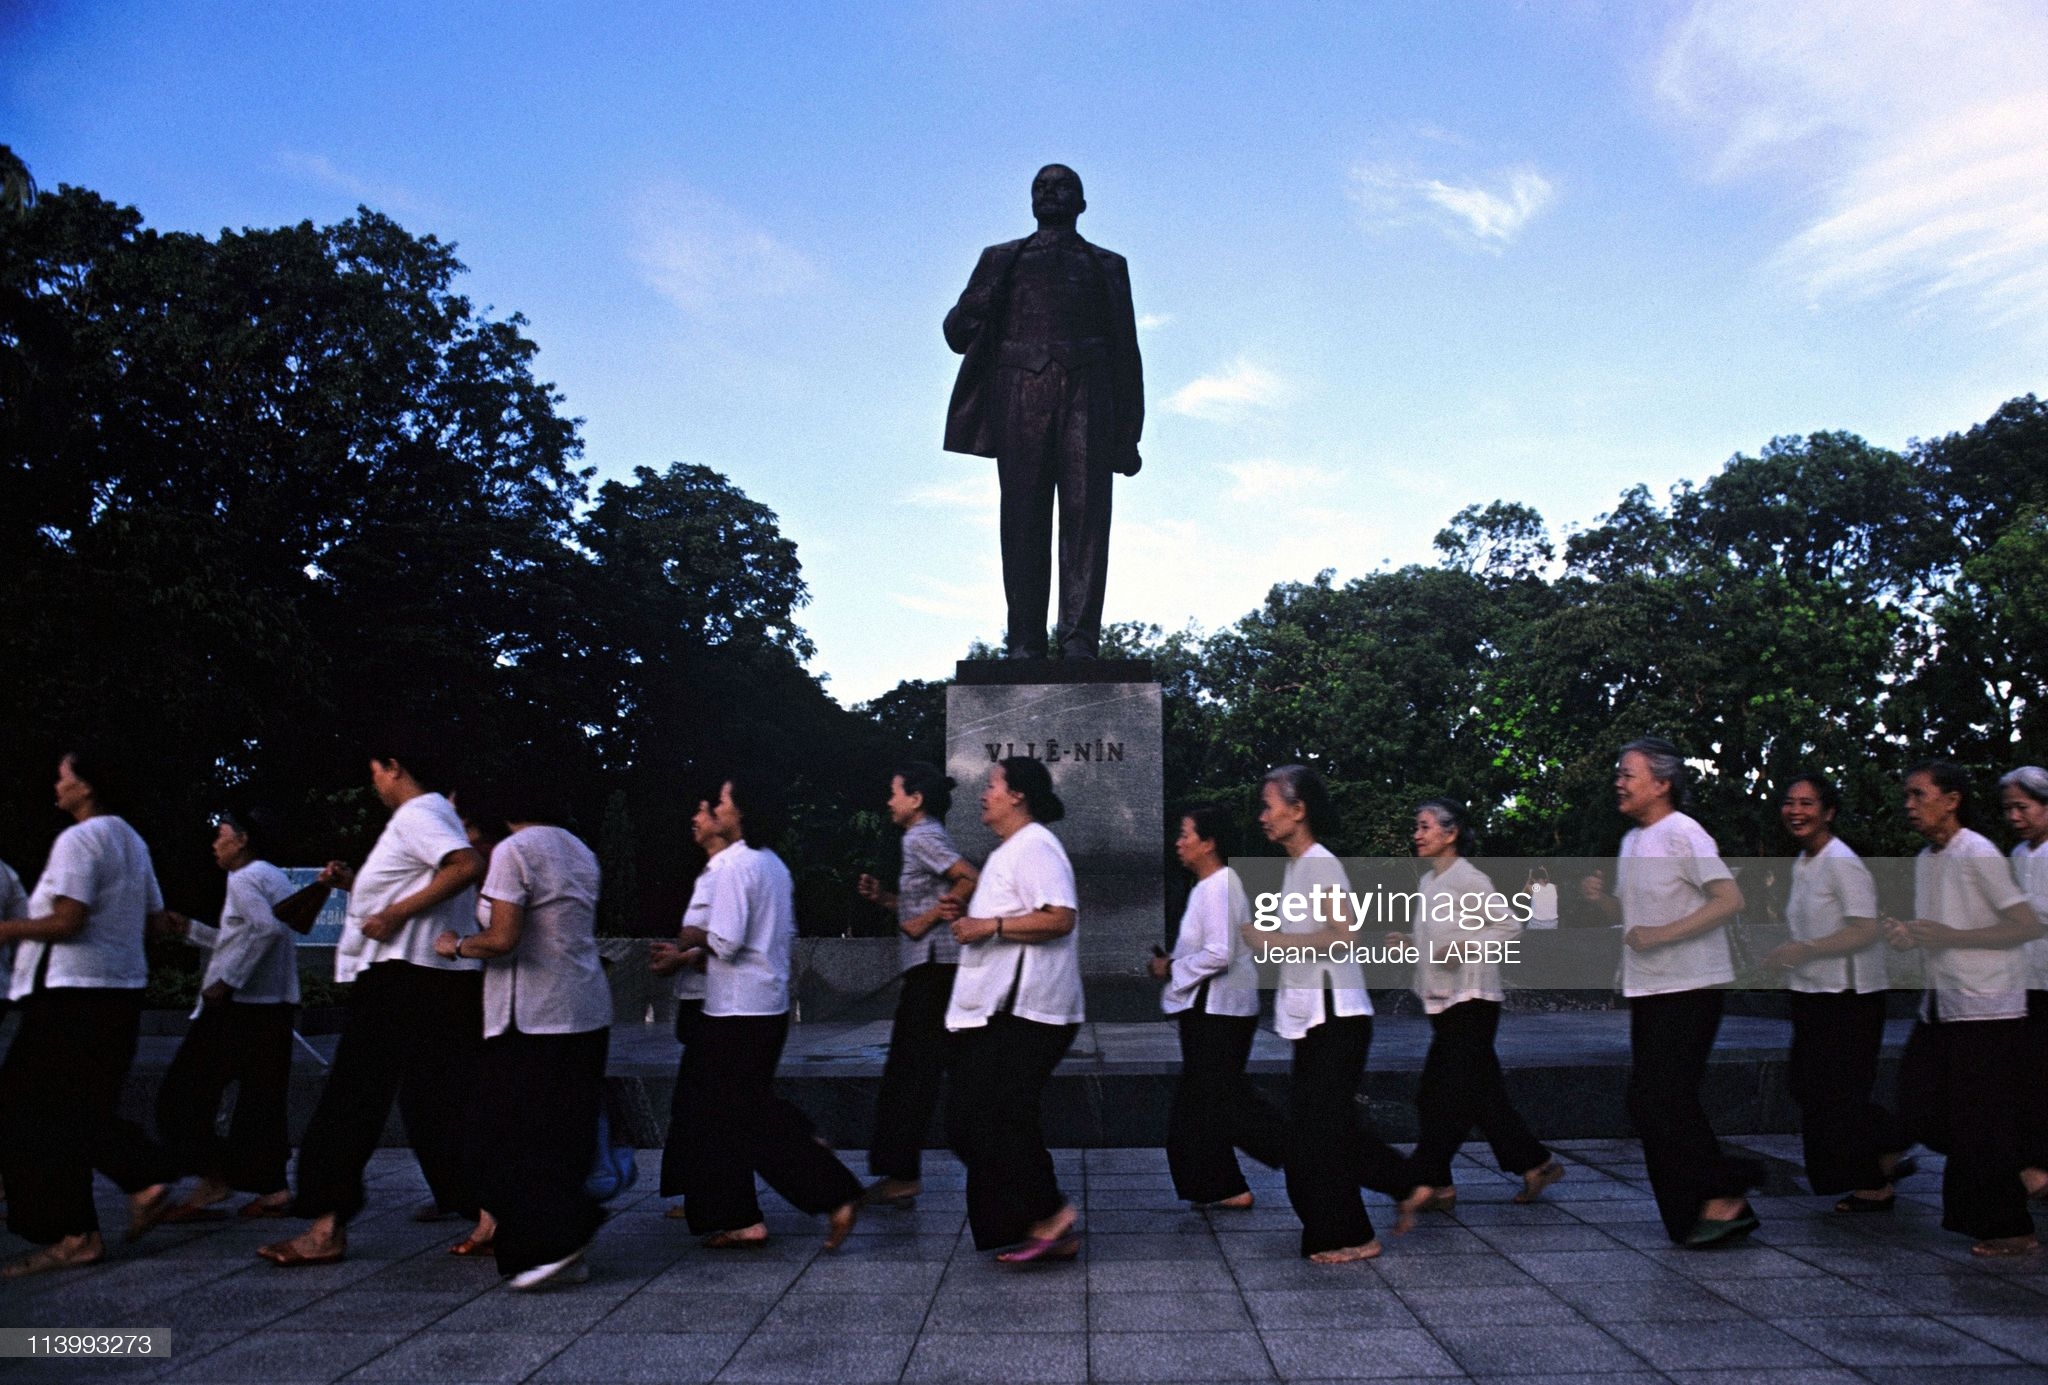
[1052, 388]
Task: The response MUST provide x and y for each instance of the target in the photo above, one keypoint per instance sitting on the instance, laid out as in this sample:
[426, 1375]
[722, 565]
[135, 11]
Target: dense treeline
[263, 493]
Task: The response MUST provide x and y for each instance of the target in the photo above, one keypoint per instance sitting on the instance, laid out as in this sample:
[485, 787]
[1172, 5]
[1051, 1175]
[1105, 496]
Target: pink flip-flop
[1062, 1247]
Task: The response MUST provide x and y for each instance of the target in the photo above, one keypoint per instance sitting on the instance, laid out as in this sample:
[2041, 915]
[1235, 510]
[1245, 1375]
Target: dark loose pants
[739, 1127]
[1961, 1086]
[1216, 1112]
[994, 1125]
[251, 1047]
[1462, 1089]
[414, 1035]
[2034, 1113]
[1330, 1155]
[675, 1154]
[1670, 1039]
[538, 1100]
[59, 1089]
[1055, 426]
[915, 1071]
[1836, 1039]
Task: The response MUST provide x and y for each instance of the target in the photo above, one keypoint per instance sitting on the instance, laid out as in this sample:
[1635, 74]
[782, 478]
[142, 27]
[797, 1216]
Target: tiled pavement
[1581, 1288]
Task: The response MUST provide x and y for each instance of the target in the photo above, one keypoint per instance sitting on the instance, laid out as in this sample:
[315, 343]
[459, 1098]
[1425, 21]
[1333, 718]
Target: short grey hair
[2030, 780]
[1664, 760]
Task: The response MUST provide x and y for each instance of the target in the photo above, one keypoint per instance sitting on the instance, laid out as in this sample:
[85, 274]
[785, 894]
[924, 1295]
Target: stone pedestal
[1095, 724]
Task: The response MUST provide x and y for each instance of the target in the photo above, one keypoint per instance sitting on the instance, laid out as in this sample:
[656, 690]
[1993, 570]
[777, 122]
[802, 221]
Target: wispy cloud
[385, 197]
[1152, 322]
[1230, 393]
[1261, 480]
[976, 492]
[1490, 213]
[1914, 128]
[697, 251]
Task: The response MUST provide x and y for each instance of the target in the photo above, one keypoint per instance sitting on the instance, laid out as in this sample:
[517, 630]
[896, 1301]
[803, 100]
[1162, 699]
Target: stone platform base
[1566, 1072]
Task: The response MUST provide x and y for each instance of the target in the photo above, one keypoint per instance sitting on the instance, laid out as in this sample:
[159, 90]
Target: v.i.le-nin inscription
[1097, 751]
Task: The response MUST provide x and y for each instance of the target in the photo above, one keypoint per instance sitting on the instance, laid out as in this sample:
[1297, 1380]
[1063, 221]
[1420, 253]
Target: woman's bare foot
[71, 1253]
[147, 1208]
[1236, 1204]
[1539, 1178]
[1404, 1213]
[1344, 1256]
[754, 1235]
[1052, 1228]
[841, 1224]
[2000, 1247]
[2036, 1181]
[1723, 1208]
[900, 1193]
[322, 1241]
[1440, 1200]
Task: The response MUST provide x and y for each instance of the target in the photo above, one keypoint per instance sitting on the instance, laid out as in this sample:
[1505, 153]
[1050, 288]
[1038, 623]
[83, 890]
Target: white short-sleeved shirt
[752, 928]
[1543, 904]
[928, 853]
[13, 905]
[1211, 949]
[691, 982]
[102, 864]
[1965, 885]
[1662, 876]
[2030, 869]
[251, 950]
[1298, 996]
[1826, 889]
[1029, 871]
[1463, 894]
[421, 834]
[552, 982]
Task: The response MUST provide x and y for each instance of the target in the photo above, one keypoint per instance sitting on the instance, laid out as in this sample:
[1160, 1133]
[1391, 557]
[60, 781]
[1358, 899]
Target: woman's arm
[500, 936]
[1724, 901]
[65, 921]
[457, 872]
[1038, 926]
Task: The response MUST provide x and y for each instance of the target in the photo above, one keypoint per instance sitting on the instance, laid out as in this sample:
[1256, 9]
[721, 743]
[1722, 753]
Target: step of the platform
[1566, 1073]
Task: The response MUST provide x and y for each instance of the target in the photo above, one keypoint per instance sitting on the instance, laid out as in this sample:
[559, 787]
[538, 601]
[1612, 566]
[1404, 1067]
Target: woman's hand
[1789, 956]
[1159, 967]
[1934, 937]
[444, 946]
[1644, 938]
[967, 931]
[339, 875]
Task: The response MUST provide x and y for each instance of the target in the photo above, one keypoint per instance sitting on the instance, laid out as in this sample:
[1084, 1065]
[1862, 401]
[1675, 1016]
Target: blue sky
[1391, 259]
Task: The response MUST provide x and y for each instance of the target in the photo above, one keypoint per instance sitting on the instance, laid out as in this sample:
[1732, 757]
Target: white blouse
[1832, 887]
[1459, 896]
[1209, 949]
[1298, 998]
[1965, 885]
[1662, 876]
[2030, 868]
[1040, 981]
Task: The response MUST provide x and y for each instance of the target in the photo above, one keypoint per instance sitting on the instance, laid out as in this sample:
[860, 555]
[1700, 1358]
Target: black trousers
[1670, 1039]
[1330, 1155]
[414, 1036]
[994, 1125]
[538, 1100]
[1462, 1088]
[60, 1087]
[251, 1047]
[1055, 425]
[2034, 1114]
[1216, 1112]
[1961, 1088]
[1836, 1039]
[738, 1128]
[675, 1173]
[914, 1073]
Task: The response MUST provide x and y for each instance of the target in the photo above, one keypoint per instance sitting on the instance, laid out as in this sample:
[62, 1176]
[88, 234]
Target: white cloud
[385, 197]
[1152, 322]
[1490, 215]
[1230, 393]
[697, 251]
[977, 492]
[1264, 480]
[1913, 129]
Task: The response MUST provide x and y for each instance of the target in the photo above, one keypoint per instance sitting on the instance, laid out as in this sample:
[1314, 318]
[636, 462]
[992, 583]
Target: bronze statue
[1052, 388]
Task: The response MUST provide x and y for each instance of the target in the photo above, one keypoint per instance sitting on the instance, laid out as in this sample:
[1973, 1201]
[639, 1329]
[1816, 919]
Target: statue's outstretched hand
[1130, 464]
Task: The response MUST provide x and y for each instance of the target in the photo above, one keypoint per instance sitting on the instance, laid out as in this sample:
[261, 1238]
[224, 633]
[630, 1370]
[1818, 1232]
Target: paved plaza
[1584, 1287]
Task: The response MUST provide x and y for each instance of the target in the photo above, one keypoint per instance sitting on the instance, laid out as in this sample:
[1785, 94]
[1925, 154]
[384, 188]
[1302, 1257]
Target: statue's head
[1056, 195]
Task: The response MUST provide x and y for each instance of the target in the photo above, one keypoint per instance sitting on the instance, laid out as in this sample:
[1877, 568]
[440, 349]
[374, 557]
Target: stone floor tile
[1673, 1299]
[649, 1311]
[1679, 1346]
[647, 1357]
[447, 1358]
[999, 1358]
[1025, 1308]
[1330, 1310]
[828, 1358]
[1533, 1347]
[1167, 1312]
[888, 1311]
[1177, 1356]
[288, 1356]
[1357, 1355]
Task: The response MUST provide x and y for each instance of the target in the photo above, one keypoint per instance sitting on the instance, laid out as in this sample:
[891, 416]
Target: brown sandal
[471, 1245]
[1549, 1174]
